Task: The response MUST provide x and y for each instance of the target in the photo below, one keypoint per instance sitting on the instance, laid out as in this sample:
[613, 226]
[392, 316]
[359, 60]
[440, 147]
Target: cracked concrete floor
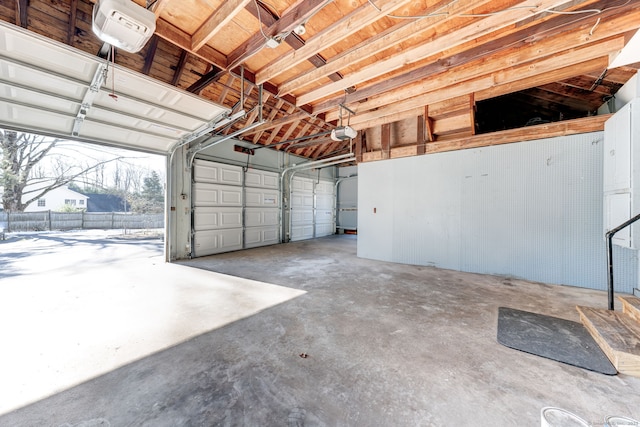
[385, 344]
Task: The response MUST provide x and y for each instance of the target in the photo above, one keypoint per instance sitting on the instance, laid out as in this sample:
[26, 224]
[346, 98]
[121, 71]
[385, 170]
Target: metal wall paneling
[531, 210]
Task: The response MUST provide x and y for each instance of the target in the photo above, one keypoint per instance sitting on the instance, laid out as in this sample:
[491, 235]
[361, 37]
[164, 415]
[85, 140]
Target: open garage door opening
[54, 184]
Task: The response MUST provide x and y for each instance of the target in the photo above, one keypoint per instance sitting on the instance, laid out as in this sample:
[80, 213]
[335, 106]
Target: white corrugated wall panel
[531, 210]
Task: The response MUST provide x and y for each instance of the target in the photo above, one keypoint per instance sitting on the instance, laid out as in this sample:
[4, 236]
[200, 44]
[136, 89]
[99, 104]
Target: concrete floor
[100, 332]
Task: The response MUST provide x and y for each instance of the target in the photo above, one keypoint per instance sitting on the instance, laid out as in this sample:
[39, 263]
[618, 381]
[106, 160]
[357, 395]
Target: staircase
[617, 333]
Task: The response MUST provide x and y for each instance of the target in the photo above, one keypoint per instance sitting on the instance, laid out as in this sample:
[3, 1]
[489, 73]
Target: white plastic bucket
[557, 417]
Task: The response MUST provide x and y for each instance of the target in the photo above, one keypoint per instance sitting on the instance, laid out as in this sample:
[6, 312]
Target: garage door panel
[261, 236]
[101, 131]
[38, 101]
[325, 230]
[324, 187]
[324, 216]
[256, 217]
[211, 242]
[35, 118]
[301, 232]
[50, 56]
[302, 216]
[302, 200]
[324, 201]
[205, 171]
[207, 218]
[261, 179]
[256, 197]
[145, 108]
[301, 185]
[205, 194]
[37, 81]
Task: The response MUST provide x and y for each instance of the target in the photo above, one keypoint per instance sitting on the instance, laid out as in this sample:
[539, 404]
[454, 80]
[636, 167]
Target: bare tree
[22, 176]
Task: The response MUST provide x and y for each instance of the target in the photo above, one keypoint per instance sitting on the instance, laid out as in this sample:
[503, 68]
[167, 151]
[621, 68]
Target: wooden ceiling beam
[281, 121]
[175, 35]
[345, 27]
[177, 74]
[515, 55]
[22, 15]
[204, 81]
[73, 13]
[549, 130]
[276, 130]
[382, 41]
[490, 24]
[299, 14]
[150, 55]
[214, 23]
[272, 114]
[159, 7]
[511, 39]
[498, 83]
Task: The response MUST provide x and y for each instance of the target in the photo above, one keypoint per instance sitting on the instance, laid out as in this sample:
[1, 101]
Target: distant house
[57, 199]
[106, 203]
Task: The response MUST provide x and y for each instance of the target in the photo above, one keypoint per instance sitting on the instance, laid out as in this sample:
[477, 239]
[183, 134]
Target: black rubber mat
[551, 337]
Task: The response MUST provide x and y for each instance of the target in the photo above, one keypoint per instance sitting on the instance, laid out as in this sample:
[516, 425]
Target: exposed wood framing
[349, 25]
[73, 11]
[386, 140]
[177, 74]
[568, 127]
[214, 23]
[22, 13]
[152, 46]
[297, 15]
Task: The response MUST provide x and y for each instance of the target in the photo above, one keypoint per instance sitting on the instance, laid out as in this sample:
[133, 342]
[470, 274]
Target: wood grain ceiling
[414, 72]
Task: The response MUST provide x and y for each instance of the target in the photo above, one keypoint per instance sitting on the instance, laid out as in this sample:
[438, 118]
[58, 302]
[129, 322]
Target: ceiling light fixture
[300, 29]
[273, 42]
[123, 24]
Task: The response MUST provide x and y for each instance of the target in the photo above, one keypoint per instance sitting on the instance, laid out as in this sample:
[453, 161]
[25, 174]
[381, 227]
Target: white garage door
[49, 88]
[312, 208]
[228, 215]
[325, 199]
[301, 208]
[262, 213]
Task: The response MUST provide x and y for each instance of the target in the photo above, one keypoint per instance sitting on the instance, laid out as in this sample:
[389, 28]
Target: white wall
[531, 210]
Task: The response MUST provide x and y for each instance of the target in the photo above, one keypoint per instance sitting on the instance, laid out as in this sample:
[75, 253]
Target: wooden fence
[48, 220]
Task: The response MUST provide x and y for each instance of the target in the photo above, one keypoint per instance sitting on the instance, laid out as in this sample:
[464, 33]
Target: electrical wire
[483, 15]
